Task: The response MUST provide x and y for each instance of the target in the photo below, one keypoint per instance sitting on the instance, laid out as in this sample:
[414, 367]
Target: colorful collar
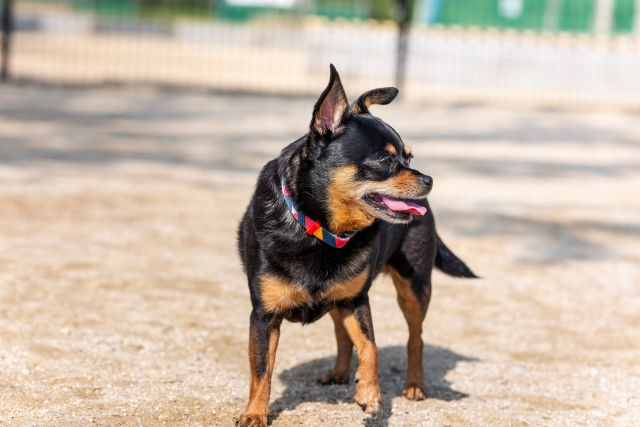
[313, 227]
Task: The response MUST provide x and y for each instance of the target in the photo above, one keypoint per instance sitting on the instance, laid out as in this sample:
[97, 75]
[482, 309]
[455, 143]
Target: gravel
[122, 301]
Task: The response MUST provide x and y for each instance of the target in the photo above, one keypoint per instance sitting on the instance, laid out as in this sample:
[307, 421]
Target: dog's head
[360, 162]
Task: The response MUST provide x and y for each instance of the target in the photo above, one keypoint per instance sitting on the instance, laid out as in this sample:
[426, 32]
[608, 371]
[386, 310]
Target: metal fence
[574, 52]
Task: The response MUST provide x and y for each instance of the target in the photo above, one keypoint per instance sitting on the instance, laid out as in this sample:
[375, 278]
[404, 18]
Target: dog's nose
[427, 181]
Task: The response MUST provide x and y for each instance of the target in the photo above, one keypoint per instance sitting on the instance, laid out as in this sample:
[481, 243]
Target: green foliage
[172, 8]
[624, 16]
[577, 15]
[485, 13]
[383, 10]
[349, 9]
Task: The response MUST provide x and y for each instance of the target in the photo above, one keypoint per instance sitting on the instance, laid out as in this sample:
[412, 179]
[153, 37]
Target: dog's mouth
[397, 209]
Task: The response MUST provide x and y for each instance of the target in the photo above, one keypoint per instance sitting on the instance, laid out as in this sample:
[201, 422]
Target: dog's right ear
[381, 96]
[331, 109]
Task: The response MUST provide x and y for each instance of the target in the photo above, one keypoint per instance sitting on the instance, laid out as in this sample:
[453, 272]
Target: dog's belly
[307, 314]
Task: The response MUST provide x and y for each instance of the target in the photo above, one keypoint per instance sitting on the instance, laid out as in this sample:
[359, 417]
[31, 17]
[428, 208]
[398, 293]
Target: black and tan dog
[328, 215]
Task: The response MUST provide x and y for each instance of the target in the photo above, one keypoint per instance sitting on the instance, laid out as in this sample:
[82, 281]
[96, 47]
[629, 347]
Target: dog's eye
[409, 157]
[385, 163]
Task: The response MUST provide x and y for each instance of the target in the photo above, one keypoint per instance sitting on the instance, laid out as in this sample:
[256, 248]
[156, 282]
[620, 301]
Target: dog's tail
[450, 264]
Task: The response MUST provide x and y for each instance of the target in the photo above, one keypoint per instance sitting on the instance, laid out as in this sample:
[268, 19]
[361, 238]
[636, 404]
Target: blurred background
[131, 136]
[576, 52]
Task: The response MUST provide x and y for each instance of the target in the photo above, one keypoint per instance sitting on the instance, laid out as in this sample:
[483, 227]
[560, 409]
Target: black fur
[272, 244]
[449, 263]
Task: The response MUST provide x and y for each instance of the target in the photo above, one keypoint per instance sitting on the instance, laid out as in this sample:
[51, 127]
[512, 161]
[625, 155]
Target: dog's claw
[415, 391]
[250, 420]
[368, 396]
[334, 377]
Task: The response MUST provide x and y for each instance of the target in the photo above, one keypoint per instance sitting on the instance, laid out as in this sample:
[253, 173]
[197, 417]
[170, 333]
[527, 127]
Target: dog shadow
[302, 386]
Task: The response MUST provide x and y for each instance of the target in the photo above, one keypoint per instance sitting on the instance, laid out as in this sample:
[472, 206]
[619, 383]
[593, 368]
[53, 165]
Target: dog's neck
[313, 227]
[308, 186]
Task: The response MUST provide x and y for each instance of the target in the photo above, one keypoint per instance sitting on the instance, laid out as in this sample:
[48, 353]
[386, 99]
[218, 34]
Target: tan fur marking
[352, 327]
[406, 150]
[282, 295]
[404, 183]
[390, 148]
[367, 351]
[374, 98]
[368, 384]
[347, 289]
[414, 312]
[258, 406]
[347, 211]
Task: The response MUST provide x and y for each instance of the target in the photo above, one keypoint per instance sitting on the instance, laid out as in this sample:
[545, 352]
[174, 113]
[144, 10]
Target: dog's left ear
[331, 108]
[381, 96]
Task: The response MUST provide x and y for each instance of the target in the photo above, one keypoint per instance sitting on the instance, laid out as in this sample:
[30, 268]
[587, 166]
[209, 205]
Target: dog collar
[313, 227]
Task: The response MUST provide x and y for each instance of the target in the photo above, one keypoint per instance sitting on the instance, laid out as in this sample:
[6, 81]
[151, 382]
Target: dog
[337, 207]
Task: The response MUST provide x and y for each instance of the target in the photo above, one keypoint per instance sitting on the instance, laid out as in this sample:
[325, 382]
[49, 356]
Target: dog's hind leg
[341, 371]
[414, 307]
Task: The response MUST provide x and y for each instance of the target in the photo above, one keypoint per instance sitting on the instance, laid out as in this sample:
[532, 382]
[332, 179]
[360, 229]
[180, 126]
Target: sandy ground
[122, 301]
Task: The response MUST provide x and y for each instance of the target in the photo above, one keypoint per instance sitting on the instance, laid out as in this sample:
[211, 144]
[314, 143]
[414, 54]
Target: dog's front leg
[264, 332]
[357, 321]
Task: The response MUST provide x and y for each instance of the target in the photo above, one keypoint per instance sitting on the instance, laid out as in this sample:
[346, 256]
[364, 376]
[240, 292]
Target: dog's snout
[427, 181]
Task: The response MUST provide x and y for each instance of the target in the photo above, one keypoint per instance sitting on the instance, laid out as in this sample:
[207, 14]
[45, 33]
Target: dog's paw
[415, 391]
[368, 396]
[334, 377]
[251, 420]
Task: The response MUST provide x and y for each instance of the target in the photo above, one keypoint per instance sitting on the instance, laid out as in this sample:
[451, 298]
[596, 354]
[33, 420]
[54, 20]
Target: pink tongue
[400, 206]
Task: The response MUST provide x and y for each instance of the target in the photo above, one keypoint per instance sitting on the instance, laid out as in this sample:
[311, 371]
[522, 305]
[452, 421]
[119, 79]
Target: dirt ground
[122, 301]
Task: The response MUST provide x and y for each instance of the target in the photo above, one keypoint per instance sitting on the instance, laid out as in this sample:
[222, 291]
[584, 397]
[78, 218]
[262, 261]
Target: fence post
[603, 17]
[7, 26]
[636, 26]
[404, 19]
[552, 15]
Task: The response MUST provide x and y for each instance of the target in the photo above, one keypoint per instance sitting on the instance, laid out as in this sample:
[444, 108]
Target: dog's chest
[297, 301]
[282, 295]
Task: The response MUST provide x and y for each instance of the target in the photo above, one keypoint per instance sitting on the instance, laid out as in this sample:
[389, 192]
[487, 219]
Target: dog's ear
[381, 96]
[331, 108]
